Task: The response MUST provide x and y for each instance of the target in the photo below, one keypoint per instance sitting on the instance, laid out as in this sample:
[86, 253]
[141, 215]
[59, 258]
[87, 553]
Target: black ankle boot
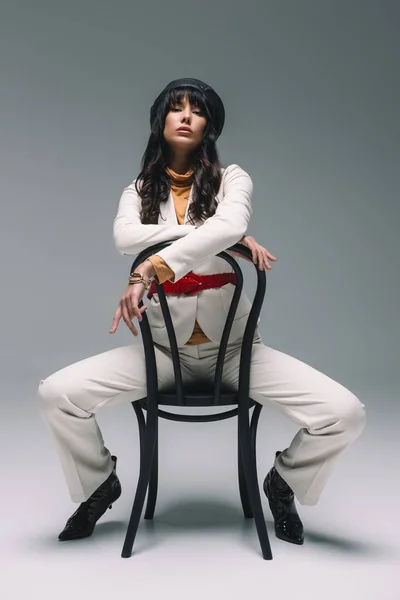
[82, 523]
[288, 526]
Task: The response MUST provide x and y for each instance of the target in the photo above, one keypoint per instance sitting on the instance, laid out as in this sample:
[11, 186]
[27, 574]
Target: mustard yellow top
[180, 189]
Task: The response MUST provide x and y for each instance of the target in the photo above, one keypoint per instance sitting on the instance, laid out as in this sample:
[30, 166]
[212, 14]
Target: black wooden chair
[215, 396]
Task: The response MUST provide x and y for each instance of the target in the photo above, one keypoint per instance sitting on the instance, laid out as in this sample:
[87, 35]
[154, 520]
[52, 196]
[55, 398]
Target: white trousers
[330, 416]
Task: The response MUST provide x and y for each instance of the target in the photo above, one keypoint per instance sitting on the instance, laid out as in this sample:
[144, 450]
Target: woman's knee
[351, 412]
[58, 393]
[51, 392]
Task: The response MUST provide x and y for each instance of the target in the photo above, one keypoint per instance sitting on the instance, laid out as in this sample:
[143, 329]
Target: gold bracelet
[132, 281]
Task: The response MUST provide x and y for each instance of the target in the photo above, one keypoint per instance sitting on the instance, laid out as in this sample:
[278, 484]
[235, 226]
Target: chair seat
[197, 398]
[196, 394]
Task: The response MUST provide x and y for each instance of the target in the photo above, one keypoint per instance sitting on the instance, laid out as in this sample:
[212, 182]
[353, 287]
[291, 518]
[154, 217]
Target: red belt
[192, 283]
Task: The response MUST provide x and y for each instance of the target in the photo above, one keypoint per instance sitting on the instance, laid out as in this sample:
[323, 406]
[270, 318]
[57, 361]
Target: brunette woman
[184, 194]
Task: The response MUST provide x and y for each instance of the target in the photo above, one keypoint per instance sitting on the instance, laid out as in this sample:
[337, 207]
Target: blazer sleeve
[226, 227]
[162, 270]
[131, 236]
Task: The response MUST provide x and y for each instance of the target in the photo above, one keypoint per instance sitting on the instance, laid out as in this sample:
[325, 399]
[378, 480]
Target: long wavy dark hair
[152, 183]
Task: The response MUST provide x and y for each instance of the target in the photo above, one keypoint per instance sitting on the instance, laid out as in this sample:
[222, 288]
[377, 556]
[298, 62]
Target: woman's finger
[262, 256]
[265, 257]
[261, 259]
[258, 257]
[251, 244]
[136, 294]
[255, 252]
[116, 320]
[126, 317]
[133, 309]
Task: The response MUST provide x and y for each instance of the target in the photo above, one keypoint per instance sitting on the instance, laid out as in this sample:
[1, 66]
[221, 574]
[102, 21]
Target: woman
[184, 194]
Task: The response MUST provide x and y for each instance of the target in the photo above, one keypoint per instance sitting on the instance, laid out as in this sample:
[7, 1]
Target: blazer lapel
[167, 212]
[185, 220]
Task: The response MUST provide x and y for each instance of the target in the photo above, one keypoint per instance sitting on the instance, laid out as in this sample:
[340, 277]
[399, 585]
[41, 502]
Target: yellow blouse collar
[179, 178]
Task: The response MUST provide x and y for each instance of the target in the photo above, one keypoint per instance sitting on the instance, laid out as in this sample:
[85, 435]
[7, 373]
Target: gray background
[311, 90]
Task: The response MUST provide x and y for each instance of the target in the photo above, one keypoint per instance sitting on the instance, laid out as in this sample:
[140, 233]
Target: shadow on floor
[211, 516]
[192, 517]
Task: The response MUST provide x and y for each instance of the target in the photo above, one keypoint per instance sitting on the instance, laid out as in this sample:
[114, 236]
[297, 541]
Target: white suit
[330, 416]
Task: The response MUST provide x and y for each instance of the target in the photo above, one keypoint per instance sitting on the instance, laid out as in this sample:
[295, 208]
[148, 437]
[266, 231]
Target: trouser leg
[70, 398]
[331, 417]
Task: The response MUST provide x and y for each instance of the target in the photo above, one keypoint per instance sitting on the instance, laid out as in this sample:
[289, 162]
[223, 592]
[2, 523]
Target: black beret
[212, 99]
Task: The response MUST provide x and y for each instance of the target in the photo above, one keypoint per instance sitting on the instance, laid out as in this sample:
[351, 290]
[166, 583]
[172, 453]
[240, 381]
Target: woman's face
[193, 122]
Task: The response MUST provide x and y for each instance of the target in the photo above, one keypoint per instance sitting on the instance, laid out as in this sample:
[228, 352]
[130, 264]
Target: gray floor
[199, 543]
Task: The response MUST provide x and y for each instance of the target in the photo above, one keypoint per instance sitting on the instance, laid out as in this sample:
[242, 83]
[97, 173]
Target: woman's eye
[196, 111]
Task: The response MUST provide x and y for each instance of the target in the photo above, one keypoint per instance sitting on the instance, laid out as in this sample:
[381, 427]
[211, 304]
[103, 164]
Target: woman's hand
[260, 254]
[128, 305]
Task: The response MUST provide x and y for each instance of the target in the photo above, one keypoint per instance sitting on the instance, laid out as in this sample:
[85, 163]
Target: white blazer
[192, 250]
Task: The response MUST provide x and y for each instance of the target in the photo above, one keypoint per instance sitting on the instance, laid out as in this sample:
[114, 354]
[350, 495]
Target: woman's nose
[186, 115]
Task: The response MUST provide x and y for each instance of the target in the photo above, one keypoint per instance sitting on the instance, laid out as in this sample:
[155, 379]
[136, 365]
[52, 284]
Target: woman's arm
[226, 227]
[131, 236]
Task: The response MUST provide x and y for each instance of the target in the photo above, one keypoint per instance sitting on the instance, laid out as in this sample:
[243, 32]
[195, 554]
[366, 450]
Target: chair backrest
[247, 341]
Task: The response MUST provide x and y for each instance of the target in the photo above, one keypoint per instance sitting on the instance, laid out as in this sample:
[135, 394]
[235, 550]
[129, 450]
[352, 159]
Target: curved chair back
[216, 396]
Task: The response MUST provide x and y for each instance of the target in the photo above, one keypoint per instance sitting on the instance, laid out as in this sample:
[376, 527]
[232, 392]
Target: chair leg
[141, 425]
[153, 484]
[244, 495]
[146, 463]
[253, 428]
[250, 471]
